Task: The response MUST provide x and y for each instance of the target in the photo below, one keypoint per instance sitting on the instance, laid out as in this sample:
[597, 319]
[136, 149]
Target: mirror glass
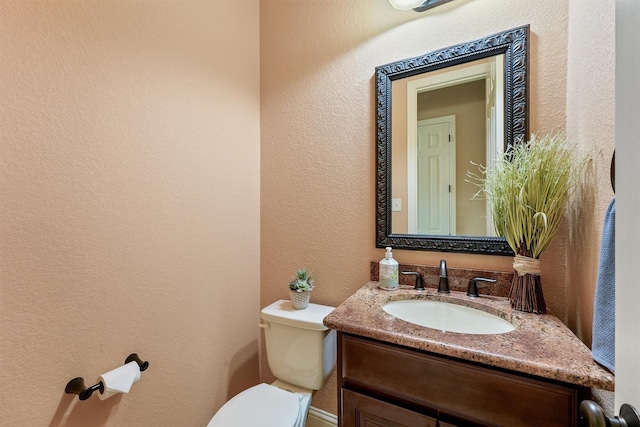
[439, 115]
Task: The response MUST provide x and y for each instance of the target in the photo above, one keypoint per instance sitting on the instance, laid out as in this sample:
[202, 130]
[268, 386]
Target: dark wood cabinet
[382, 384]
[365, 411]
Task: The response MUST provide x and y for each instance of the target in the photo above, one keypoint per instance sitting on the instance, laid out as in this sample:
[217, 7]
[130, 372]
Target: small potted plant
[300, 289]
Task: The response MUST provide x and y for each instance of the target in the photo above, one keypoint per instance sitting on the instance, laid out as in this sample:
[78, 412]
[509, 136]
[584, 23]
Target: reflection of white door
[484, 69]
[435, 177]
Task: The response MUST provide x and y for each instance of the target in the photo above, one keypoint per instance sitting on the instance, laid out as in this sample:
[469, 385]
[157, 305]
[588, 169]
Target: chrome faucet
[443, 283]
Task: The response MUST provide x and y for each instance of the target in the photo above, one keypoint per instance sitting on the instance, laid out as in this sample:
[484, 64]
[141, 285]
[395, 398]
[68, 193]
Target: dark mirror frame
[514, 44]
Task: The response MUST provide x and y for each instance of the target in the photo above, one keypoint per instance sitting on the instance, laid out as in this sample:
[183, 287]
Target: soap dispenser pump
[388, 272]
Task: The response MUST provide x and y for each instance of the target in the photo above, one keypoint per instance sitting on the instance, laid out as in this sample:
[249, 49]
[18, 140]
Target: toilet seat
[263, 405]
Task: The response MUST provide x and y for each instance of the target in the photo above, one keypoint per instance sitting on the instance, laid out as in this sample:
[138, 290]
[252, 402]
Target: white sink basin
[447, 317]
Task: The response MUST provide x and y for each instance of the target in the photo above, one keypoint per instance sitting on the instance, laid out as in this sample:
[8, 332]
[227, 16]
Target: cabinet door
[358, 410]
[456, 389]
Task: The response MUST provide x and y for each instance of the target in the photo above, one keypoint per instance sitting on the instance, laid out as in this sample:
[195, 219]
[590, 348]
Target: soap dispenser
[388, 272]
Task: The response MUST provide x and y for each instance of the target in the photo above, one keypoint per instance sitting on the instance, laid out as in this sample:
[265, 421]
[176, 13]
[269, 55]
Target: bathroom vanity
[395, 373]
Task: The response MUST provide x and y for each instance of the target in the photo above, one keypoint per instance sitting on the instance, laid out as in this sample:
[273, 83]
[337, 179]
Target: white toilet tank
[300, 349]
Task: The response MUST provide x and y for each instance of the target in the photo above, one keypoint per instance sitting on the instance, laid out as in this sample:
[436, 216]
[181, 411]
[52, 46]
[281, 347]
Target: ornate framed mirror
[439, 115]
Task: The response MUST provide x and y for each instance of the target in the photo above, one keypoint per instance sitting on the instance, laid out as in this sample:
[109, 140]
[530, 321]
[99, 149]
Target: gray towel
[604, 305]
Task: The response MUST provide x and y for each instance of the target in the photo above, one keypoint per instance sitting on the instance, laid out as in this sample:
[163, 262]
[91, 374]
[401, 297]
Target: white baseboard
[319, 418]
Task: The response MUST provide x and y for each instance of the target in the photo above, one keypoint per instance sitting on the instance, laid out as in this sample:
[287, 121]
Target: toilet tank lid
[282, 312]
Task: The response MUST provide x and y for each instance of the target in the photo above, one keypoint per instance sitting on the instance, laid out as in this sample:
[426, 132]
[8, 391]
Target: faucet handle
[443, 268]
[473, 285]
[419, 285]
[443, 281]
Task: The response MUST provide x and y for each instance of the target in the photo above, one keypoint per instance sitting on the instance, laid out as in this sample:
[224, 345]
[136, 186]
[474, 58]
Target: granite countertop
[541, 345]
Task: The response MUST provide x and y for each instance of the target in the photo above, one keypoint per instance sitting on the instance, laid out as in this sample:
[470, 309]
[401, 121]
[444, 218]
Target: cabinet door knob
[592, 415]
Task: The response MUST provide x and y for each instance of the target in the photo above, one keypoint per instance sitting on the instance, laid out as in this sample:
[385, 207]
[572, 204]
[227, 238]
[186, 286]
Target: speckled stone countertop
[541, 345]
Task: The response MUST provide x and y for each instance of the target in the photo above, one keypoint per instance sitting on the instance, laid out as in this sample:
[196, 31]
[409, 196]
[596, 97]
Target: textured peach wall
[318, 135]
[590, 123]
[129, 134]
[129, 207]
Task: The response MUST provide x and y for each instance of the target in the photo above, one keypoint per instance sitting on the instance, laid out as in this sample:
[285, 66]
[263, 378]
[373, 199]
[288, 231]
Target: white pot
[300, 300]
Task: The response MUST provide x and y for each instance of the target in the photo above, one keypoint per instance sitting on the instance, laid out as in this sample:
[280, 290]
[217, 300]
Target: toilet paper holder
[77, 386]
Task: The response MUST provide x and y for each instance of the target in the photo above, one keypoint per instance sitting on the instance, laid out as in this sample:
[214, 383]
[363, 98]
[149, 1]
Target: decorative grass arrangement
[528, 189]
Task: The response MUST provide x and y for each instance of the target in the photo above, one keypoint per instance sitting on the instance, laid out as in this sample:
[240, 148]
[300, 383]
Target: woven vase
[526, 289]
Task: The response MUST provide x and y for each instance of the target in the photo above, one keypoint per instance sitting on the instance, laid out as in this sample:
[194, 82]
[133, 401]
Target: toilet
[301, 352]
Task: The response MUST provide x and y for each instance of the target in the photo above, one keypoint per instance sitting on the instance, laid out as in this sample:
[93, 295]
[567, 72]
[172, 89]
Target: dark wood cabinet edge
[583, 392]
[442, 413]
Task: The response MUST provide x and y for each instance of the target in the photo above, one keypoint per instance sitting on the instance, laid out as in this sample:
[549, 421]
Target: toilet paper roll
[119, 380]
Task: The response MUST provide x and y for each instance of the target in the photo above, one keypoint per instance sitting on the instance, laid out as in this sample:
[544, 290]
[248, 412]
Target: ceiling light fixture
[405, 4]
[417, 5]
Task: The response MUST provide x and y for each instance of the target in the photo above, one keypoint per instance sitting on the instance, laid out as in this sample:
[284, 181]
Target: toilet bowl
[301, 352]
[264, 405]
